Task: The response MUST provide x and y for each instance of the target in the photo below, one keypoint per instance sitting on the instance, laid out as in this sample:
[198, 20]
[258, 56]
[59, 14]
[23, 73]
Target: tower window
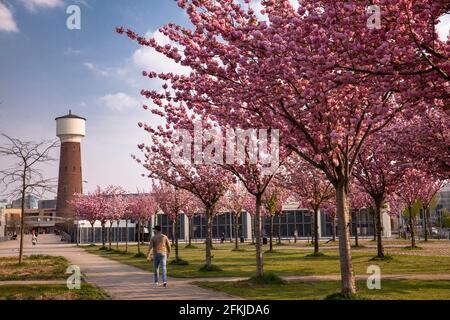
[74, 168]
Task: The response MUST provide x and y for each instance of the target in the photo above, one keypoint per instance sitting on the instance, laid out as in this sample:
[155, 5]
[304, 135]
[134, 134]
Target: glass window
[290, 215]
[307, 217]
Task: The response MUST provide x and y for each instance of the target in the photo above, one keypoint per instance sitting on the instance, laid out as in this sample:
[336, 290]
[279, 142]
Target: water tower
[70, 129]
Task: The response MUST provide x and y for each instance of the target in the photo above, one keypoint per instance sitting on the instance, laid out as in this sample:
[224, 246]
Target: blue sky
[45, 69]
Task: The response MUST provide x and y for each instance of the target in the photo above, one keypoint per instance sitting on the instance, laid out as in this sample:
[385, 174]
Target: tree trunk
[139, 238]
[425, 222]
[22, 206]
[279, 228]
[126, 235]
[411, 226]
[379, 228]
[110, 234]
[271, 233]
[173, 233]
[176, 237]
[357, 213]
[252, 221]
[258, 230]
[189, 231]
[316, 231]
[117, 235]
[104, 234]
[347, 274]
[236, 230]
[209, 218]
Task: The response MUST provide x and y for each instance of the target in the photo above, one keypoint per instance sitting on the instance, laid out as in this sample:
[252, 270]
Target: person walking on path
[34, 238]
[159, 250]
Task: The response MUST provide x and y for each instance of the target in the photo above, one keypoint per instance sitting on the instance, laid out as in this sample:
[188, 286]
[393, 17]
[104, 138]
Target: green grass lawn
[36, 267]
[50, 292]
[297, 290]
[282, 262]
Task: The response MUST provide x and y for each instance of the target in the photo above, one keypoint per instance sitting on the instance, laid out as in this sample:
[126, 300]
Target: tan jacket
[159, 244]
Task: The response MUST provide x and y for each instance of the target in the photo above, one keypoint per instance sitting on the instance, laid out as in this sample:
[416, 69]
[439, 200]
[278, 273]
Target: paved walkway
[118, 280]
[331, 277]
[124, 282]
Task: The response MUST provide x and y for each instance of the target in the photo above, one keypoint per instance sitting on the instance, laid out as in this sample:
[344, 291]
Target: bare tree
[24, 176]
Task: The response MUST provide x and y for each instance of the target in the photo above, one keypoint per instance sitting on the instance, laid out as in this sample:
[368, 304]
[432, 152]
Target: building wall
[84, 232]
[31, 202]
[47, 204]
[444, 198]
[2, 224]
[70, 178]
[42, 220]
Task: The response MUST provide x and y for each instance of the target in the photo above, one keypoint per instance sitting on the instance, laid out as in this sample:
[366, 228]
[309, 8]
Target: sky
[47, 69]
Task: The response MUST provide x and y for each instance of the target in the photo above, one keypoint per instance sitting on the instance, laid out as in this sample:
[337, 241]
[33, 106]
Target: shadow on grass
[412, 248]
[267, 279]
[211, 268]
[179, 262]
[386, 257]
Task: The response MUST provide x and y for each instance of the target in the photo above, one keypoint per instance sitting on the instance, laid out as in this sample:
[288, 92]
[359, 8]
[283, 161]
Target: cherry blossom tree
[84, 208]
[142, 207]
[172, 200]
[424, 139]
[100, 210]
[274, 198]
[234, 201]
[379, 170]
[116, 206]
[311, 189]
[205, 181]
[409, 192]
[191, 207]
[297, 74]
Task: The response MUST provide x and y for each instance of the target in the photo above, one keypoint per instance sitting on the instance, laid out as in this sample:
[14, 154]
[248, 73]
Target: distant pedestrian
[222, 239]
[34, 238]
[159, 250]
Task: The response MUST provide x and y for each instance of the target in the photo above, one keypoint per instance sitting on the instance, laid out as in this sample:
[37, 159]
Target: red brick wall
[70, 179]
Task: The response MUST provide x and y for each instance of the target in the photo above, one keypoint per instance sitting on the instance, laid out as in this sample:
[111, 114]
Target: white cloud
[151, 60]
[96, 70]
[32, 5]
[119, 101]
[7, 22]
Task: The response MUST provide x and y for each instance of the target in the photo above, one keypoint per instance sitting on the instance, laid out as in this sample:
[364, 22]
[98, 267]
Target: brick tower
[70, 129]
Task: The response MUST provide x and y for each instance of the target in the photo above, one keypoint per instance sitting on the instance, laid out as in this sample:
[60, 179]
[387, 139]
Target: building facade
[31, 202]
[39, 220]
[3, 234]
